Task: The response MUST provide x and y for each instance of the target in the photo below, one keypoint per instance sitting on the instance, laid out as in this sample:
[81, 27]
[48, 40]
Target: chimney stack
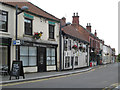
[95, 33]
[88, 27]
[64, 19]
[75, 19]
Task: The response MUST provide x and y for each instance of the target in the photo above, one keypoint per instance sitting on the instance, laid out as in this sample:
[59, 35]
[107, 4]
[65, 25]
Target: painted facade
[37, 54]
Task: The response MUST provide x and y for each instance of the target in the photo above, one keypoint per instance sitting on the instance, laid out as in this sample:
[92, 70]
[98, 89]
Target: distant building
[75, 47]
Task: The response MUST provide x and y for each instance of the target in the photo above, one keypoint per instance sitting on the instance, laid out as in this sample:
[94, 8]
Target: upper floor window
[28, 26]
[3, 21]
[51, 31]
[65, 45]
[69, 45]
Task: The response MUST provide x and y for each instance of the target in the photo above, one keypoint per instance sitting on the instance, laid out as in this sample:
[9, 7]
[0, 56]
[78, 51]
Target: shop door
[41, 59]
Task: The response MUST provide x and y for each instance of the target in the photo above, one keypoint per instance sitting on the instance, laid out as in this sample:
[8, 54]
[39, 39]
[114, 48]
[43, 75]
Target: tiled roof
[73, 31]
[33, 9]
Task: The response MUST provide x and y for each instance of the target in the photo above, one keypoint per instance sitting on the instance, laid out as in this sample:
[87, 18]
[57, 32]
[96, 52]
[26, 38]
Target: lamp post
[17, 13]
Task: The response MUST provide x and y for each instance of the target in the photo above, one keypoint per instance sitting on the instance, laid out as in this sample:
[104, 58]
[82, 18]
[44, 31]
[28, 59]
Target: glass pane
[53, 58]
[24, 60]
[23, 50]
[53, 52]
[32, 51]
[48, 51]
[4, 55]
[48, 58]
[32, 61]
[53, 62]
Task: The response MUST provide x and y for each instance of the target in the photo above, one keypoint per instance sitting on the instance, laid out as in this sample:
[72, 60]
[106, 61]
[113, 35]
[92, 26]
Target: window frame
[31, 26]
[76, 63]
[28, 56]
[51, 57]
[53, 33]
[6, 30]
[67, 62]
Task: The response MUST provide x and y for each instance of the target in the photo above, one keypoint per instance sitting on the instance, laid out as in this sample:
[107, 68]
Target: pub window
[65, 45]
[3, 21]
[28, 55]
[76, 61]
[67, 62]
[50, 56]
[51, 31]
[28, 26]
[69, 45]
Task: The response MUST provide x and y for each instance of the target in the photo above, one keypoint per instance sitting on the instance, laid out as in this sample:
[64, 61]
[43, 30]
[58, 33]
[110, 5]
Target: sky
[102, 14]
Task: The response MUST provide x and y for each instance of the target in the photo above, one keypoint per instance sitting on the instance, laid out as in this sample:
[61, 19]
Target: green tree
[119, 57]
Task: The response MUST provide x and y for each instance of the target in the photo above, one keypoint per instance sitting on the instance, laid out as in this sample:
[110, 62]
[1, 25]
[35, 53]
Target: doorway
[41, 59]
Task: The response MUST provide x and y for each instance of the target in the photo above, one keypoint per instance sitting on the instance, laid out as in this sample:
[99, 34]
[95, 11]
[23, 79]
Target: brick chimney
[63, 21]
[88, 27]
[103, 42]
[75, 19]
[95, 33]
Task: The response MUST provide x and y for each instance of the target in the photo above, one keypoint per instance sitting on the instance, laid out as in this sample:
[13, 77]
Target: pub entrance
[41, 59]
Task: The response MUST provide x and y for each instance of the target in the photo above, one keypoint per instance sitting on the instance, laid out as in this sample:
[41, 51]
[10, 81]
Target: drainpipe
[60, 49]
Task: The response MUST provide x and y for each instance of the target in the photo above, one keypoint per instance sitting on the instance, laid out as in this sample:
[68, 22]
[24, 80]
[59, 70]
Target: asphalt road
[101, 77]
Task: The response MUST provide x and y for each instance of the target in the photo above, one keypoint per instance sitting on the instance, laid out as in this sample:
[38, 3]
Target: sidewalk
[41, 75]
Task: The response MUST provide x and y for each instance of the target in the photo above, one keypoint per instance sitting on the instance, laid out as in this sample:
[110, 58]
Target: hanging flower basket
[37, 35]
[75, 47]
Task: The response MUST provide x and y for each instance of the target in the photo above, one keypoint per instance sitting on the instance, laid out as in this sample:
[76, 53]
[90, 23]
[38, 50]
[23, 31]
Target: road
[101, 77]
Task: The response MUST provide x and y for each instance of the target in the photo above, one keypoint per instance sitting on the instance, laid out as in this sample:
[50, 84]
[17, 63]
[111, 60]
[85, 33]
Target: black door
[41, 59]
[72, 62]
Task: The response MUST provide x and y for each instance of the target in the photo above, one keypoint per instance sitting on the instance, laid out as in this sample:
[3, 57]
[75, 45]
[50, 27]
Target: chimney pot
[77, 14]
[73, 14]
[75, 19]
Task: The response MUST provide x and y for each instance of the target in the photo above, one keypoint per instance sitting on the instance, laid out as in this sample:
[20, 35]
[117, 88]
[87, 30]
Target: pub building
[37, 37]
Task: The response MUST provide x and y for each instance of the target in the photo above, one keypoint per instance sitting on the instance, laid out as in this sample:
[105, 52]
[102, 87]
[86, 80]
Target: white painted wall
[39, 24]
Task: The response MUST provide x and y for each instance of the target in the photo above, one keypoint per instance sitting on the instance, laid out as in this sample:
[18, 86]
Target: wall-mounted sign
[16, 42]
[28, 15]
[50, 22]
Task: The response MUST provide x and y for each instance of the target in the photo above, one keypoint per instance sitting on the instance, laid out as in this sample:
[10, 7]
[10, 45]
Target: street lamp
[24, 8]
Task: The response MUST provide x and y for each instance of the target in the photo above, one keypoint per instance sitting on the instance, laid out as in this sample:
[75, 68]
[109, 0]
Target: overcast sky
[102, 14]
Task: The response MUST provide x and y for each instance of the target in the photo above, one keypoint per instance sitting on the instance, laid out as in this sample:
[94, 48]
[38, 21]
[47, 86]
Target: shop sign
[28, 15]
[16, 42]
[39, 45]
[52, 23]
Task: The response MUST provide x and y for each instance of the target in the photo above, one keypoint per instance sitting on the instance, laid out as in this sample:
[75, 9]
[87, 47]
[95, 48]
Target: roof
[90, 33]
[33, 9]
[72, 31]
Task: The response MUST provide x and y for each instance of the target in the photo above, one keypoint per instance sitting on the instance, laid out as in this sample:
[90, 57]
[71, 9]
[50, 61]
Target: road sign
[16, 42]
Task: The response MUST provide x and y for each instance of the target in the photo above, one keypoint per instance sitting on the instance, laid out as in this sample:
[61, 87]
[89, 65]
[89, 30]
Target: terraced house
[75, 47]
[37, 37]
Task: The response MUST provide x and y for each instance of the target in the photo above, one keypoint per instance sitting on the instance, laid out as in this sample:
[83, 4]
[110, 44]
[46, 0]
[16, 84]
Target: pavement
[42, 75]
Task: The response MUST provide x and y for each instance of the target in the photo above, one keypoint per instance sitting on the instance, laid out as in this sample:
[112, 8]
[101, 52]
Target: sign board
[50, 22]
[17, 69]
[28, 16]
[16, 42]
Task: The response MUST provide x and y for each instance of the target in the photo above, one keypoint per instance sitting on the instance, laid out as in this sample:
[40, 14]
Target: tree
[119, 57]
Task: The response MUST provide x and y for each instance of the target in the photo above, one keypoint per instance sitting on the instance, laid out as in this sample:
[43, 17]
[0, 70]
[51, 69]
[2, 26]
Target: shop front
[5, 45]
[38, 57]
